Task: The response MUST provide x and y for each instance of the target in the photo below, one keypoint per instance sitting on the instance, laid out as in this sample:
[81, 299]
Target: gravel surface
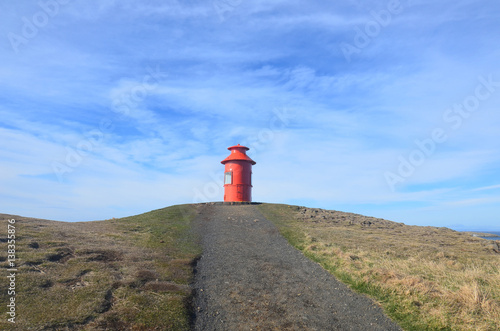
[250, 278]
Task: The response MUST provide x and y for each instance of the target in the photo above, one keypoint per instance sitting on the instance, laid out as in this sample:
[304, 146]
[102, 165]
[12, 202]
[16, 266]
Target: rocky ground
[250, 278]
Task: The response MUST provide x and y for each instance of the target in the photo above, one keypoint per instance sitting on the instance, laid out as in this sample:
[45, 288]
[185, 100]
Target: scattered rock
[333, 217]
[494, 246]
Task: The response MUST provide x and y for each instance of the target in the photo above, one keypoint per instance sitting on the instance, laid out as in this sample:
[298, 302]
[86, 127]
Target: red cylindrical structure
[238, 175]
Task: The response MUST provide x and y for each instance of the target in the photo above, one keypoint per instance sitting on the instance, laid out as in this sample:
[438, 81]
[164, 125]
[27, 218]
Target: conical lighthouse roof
[238, 153]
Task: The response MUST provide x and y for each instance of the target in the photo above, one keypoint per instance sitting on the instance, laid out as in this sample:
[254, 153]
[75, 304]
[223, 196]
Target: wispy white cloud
[491, 187]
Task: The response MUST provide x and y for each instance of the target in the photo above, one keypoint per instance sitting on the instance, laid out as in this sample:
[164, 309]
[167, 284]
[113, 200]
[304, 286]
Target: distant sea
[491, 238]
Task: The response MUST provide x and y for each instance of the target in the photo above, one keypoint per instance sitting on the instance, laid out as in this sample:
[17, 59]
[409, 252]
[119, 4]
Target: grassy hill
[426, 278]
[133, 273]
[121, 274]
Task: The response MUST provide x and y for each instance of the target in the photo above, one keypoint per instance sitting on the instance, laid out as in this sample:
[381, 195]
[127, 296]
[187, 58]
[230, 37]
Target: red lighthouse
[238, 175]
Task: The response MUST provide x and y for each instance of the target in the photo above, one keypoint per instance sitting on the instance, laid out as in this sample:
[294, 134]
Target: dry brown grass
[425, 277]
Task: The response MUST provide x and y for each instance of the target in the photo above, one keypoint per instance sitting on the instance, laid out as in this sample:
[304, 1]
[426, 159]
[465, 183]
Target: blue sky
[385, 108]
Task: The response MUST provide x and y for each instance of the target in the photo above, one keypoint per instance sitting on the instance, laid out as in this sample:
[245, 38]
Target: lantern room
[238, 175]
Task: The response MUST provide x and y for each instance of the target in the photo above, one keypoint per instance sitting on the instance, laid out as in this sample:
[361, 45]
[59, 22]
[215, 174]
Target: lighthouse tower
[238, 175]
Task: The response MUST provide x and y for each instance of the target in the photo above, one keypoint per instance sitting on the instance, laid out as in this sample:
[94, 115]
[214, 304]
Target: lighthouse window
[228, 177]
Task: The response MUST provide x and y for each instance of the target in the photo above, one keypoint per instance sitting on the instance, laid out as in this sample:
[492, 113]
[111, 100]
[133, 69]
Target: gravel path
[250, 278]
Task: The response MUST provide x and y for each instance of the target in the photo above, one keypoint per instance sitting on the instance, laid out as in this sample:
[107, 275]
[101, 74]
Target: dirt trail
[250, 278]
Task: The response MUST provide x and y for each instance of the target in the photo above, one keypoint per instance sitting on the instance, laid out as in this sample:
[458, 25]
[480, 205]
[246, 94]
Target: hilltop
[137, 272]
[250, 278]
